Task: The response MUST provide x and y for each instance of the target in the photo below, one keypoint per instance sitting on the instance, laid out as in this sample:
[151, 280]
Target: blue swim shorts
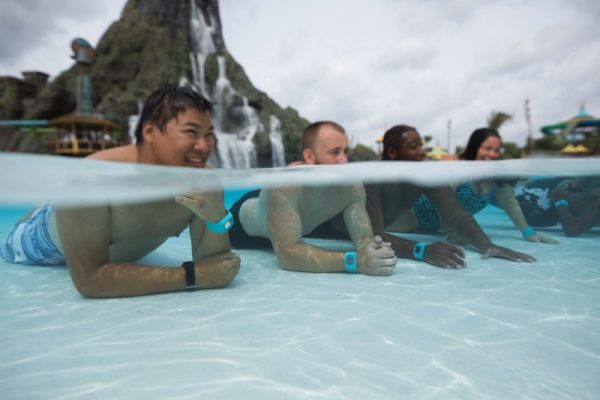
[30, 243]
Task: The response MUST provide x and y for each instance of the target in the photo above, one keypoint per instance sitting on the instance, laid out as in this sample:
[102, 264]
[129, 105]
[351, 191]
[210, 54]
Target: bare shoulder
[342, 196]
[292, 193]
[128, 153]
[353, 192]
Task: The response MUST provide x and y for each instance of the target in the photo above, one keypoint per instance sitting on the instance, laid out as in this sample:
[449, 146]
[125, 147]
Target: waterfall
[223, 96]
[236, 150]
[132, 122]
[198, 82]
[236, 122]
[275, 136]
[201, 31]
[202, 45]
[252, 123]
[235, 153]
[235, 125]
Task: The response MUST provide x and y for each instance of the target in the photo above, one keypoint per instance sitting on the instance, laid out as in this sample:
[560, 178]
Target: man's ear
[391, 153]
[148, 131]
[308, 156]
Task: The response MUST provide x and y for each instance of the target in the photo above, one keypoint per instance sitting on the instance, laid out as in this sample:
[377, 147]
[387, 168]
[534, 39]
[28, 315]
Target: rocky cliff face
[158, 42]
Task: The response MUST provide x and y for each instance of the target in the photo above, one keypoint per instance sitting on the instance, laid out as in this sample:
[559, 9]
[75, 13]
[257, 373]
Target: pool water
[495, 330]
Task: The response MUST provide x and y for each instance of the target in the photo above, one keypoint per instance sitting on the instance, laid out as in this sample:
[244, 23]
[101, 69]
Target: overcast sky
[372, 64]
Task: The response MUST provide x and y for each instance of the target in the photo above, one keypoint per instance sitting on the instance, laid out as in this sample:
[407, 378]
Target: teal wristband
[350, 262]
[528, 232]
[221, 226]
[561, 203]
[419, 251]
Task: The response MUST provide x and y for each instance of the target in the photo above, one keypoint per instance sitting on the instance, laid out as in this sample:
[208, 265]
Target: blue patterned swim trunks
[427, 214]
[30, 243]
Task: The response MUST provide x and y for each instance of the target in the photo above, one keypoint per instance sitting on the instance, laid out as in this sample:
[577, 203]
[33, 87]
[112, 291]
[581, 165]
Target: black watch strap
[190, 274]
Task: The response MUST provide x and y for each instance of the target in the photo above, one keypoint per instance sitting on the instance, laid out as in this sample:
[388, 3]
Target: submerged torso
[314, 206]
[397, 197]
[138, 229]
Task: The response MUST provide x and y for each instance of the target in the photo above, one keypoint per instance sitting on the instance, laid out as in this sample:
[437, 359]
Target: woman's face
[489, 149]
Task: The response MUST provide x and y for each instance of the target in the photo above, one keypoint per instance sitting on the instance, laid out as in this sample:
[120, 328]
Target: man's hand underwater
[445, 255]
[376, 257]
[206, 205]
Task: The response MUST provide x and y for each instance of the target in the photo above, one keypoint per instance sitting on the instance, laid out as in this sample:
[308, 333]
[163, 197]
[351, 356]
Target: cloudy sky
[372, 64]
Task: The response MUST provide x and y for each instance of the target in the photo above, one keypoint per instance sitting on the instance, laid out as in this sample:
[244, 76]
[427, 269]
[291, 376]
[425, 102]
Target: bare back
[395, 198]
[312, 205]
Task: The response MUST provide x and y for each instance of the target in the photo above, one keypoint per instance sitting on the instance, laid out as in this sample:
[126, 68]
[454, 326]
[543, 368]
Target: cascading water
[202, 46]
[223, 96]
[236, 122]
[236, 125]
[275, 136]
[132, 122]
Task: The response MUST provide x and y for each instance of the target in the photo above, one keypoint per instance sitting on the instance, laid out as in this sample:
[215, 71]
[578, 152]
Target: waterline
[36, 179]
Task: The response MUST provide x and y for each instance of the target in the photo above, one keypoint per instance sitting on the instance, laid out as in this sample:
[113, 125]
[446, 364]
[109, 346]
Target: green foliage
[497, 119]
[12, 139]
[511, 150]
[56, 98]
[362, 153]
[12, 107]
[592, 142]
[549, 143]
[134, 58]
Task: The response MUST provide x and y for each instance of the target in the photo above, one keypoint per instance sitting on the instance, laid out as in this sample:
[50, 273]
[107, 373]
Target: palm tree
[497, 118]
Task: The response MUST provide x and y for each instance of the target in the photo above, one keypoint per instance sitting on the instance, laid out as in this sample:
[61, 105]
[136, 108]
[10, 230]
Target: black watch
[190, 274]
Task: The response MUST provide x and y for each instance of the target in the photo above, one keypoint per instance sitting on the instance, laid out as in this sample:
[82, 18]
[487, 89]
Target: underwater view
[494, 329]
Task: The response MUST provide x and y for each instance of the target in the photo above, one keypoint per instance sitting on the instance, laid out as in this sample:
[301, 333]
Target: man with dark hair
[101, 243]
[386, 202]
[282, 216]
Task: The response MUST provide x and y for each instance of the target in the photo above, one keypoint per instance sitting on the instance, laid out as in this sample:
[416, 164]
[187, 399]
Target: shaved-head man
[282, 216]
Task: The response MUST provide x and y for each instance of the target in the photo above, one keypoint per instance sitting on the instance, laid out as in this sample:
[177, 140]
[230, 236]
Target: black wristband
[190, 274]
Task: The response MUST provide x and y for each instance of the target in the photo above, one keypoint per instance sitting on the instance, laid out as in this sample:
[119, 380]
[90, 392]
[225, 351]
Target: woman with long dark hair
[485, 144]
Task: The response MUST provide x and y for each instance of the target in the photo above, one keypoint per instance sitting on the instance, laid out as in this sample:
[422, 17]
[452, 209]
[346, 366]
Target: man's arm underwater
[209, 247]
[85, 237]
[454, 216]
[439, 254]
[285, 231]
[375, 257]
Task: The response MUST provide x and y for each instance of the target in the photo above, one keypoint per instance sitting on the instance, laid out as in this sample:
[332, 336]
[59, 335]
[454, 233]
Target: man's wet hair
[477, 137]
[393, 138]
[165, 103]
[309, 136]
